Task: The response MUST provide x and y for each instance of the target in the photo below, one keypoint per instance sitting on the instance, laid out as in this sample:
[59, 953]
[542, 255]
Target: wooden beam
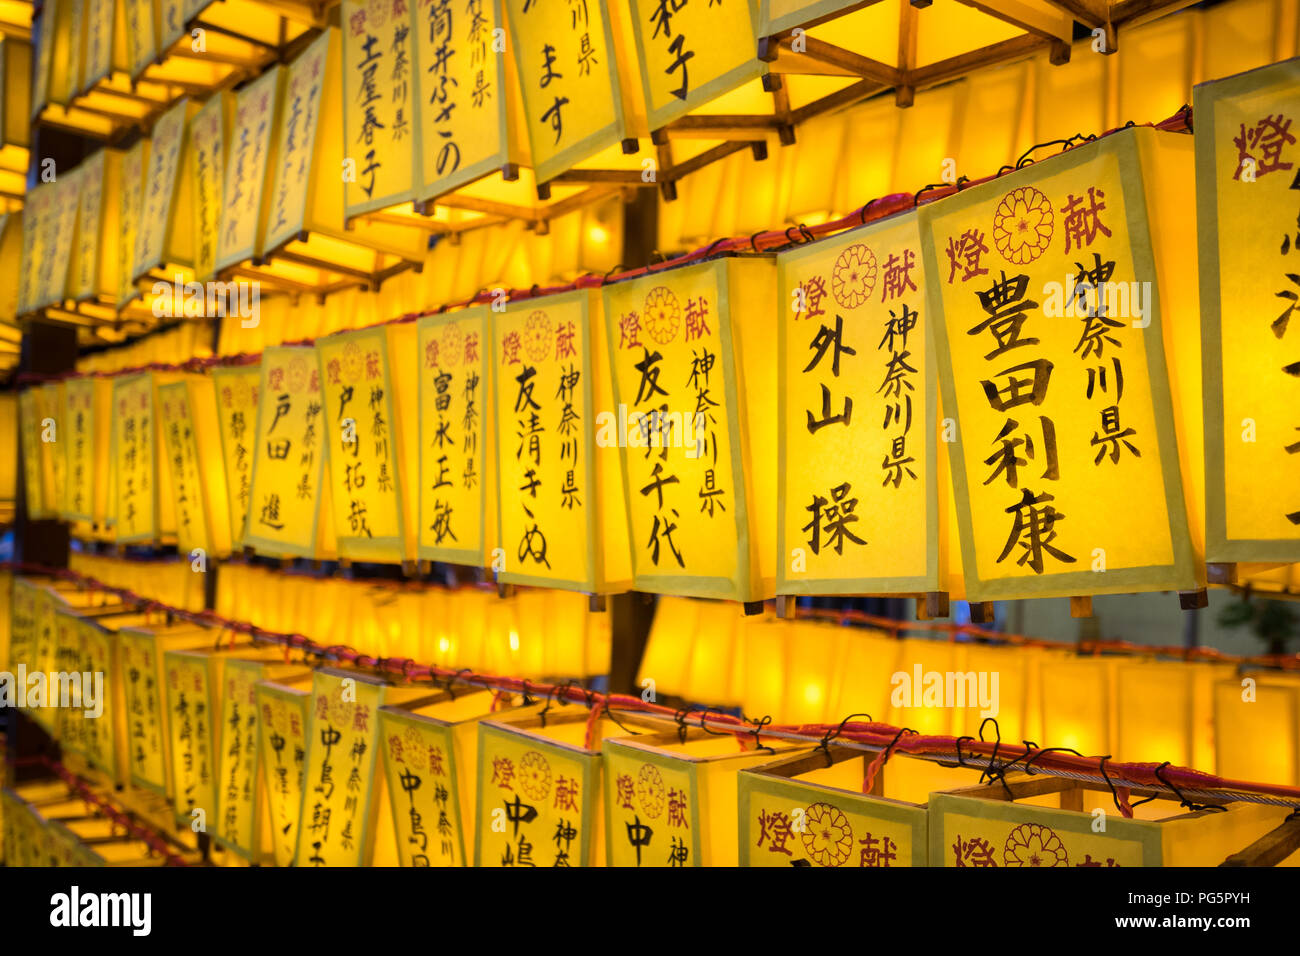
[958, 66]
[1270, 849]
[905, 92]
[1091, 13]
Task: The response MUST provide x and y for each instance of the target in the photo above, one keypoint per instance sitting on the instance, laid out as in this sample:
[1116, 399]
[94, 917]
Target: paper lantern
[814, 649]
[1156, 708]
[1246, 210]
[141, 651]
[37, 639]
[30, 406]
[283, 715]
[863, 675]
[430, 756]
[576, 114]
[710, 675]
[808, 810]
[339, 721]
[244, 824]
[559, 497]
[930, 683]
[980, 826]
[859, 494]
[539, 777]
[237, 390]
[97, 729]
[89, 406]
[193, 446]
[1257, 729]
[143, 511]
[1108, 248]
[767, 646]
[247, 168]
[164, 239]
[695, 399]
[1077, 704]
[667, 655]
[55, 407]
[130, 199]
[456, 523]
[368, 396]
[672, 803]
[288, 508]
[466, 106]
[306, 237]
[568, 626]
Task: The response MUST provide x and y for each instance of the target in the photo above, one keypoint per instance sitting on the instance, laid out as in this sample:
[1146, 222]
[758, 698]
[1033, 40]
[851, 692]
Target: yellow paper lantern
[695, 397]
[670, 802]
[430, 750]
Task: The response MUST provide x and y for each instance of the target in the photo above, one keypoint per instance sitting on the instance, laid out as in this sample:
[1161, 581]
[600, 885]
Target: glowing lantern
[244, 825]
[925, 689]
[1102, 454]
[165, 237]
[1155, 702]
[89, 406]
[809, 810]
[982, 826]
[288, 506]
[546, 764]
[354, 714]
[692, 428]
[866, 536]
[569, 624]
[307, 228]
[1077, 704]
[456, 524]
[237, 389]
[559, 135]
[1246, 212]
[130, 199]
[1257, 730]
[710, 674]
[667, 656]
[670, 802]
[560, 514]
[283, 715]
[767, 646]
[99, 732]
[143, 512]
[430, 750]
[141, 651]
[371, 425]
[38, 457]
[192, 443]
[814, 650]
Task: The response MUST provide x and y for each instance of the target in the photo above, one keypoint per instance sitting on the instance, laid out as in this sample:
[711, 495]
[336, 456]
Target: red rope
[875, 735]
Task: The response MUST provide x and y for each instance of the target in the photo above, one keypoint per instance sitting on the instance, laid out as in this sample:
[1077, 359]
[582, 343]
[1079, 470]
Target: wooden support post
[1270, 849]
[1081, 606]
[786, 607]
[1193, 600]
[630, 617]
[596, 604]
[753, 608]
[1221, 573]
[981, 612]
[934, 604]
